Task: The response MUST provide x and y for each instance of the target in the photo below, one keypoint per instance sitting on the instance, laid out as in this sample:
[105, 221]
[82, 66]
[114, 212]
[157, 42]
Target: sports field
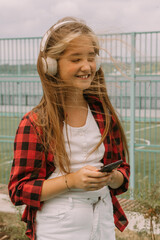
[147, 148]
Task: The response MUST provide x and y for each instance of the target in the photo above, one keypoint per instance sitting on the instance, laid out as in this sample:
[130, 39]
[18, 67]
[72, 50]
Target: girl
[63, 142]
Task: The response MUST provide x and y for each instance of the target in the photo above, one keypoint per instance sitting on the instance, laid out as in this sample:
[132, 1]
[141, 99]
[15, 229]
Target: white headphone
[50, 64]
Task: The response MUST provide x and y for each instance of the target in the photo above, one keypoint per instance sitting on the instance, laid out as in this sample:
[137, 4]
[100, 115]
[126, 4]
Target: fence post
[19, 89]
[132, 114]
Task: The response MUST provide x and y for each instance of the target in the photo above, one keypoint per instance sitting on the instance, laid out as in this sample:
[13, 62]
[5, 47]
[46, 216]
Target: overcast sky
[31, 18]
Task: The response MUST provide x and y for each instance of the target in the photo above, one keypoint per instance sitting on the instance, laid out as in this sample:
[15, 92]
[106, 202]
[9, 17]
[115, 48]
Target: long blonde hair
[50, 110]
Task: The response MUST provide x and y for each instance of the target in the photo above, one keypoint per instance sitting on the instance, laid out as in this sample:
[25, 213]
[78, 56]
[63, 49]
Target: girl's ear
[49, 65]
[98, 62]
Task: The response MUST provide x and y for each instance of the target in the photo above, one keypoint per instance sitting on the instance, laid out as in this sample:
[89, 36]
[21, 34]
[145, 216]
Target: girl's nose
[85, 66]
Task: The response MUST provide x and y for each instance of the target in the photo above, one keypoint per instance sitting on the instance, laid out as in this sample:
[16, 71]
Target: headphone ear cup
[98, 63]
[49, 65]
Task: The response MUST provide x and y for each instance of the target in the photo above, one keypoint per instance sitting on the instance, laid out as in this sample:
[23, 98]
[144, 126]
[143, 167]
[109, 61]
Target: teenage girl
[63, 142]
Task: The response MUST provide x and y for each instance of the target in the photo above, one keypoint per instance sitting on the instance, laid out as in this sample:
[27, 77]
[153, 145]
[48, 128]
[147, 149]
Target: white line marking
[5, 163]
[141, 139]
[141, 129]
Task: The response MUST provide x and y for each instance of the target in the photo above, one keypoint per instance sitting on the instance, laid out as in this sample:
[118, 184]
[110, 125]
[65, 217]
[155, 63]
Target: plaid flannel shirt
[31, 166]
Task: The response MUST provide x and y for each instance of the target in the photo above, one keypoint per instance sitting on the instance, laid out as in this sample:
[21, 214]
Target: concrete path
[138, 223]
[6, 205]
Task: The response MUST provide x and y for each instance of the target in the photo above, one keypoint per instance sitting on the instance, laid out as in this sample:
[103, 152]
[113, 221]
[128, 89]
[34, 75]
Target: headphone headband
[45, 38]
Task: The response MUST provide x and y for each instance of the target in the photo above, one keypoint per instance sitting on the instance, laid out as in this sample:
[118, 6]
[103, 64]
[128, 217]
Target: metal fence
[131, 63]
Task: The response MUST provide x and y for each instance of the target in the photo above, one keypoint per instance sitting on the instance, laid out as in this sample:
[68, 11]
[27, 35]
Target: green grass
[8, 125]
[147, 152]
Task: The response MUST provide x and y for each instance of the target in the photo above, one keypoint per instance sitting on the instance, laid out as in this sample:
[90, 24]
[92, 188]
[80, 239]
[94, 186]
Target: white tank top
[82, 141]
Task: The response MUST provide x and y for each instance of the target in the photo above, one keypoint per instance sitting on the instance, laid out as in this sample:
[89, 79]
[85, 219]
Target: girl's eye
[75, 60]
[92, 59]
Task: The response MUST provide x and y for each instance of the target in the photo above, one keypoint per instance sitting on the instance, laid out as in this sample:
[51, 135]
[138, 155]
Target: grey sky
[31, 18]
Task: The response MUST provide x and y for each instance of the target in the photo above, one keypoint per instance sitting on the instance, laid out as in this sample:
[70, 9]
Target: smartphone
[111, 166]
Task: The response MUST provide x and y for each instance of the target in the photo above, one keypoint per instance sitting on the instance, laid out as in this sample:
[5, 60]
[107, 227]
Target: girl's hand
[115, 179]
[87, 178]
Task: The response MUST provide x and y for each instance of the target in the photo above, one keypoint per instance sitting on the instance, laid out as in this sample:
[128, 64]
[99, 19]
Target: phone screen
[111, 166]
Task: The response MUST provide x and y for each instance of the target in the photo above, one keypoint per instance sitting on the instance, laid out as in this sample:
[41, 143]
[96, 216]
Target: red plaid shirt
[31, 166]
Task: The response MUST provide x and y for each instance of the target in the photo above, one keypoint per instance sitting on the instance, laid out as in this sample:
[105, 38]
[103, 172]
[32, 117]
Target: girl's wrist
[66, 182]
[69, 181]
[116, 180]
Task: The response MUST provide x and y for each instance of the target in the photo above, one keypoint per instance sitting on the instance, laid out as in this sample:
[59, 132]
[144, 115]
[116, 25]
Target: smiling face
[77, 66]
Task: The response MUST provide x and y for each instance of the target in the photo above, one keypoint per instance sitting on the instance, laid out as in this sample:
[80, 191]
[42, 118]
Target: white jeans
[76, 217]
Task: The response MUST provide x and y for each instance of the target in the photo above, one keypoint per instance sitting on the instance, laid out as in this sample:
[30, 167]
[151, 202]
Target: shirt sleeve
[29, 166]
[117, 154]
